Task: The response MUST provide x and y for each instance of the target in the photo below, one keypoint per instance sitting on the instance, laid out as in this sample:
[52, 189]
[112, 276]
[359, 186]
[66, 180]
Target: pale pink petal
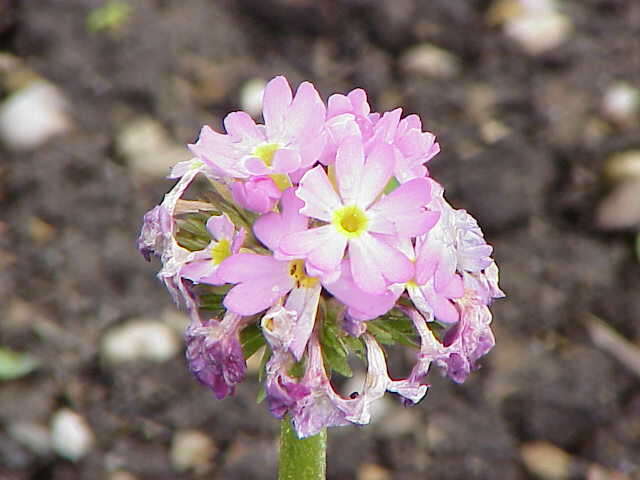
[358, 99]
[445, 270]
[362, 305]
[426, 263]
[219, 227]
[249, 298]
[254, 165]
[375, 264]
[350, 169]
[286, 160]
[306, 115]
[219, 153]
[454, 289]
[271, 227]
[404, 210]
[304, 301]
[275, 104]
[385, 129]
[319, 196]
[241, 127]
[246, 266]
[375, 175]
[338, 104]
[322, 246]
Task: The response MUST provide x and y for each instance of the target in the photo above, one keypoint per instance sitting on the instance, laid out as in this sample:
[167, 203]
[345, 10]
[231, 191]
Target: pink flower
[203, 265]
[291, 138]
[258, 194]
[356, 217]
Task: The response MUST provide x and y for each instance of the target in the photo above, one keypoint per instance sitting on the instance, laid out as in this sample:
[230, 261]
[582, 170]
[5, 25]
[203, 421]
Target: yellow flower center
[281, 180]
[350, 221]
[296, 270]
[266, 151]
[220, 251]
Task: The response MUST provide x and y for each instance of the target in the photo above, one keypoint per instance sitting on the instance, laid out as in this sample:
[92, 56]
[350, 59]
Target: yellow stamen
[297, 272]
[350, 221]
[266, 151]
[220, 251]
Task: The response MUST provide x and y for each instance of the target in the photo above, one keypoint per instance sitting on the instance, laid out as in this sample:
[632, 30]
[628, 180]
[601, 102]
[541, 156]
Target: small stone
[371, 471]
[71, 436]
[623, 166]
[34, 436]
[537, 26]
[431, 61]
[251, 96]
[546, 461]
[192, 450]
[148, 148]
[620, 209]
[140, 339]
[122, 475]
[33, 115]
[40, 231]
[621, 102]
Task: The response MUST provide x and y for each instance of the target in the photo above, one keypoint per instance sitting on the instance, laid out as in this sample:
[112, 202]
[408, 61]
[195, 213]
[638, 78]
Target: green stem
[301, 459]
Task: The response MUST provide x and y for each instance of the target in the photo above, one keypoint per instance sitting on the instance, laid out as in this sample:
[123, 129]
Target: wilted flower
[322, 237]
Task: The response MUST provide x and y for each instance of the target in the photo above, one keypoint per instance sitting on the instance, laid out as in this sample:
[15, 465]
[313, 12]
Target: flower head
[323, 238]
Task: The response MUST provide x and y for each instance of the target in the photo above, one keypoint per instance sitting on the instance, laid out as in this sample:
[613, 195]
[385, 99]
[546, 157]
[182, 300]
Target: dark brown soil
[534, 191]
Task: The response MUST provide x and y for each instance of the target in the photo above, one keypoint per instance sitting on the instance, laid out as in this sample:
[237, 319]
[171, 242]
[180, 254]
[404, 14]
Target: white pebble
[192, 450]
[431, 61]
[148, 148]
[251, 96]
[537, 25]
[71, 436]
[33, 115]
[621, 102]
[140, 340]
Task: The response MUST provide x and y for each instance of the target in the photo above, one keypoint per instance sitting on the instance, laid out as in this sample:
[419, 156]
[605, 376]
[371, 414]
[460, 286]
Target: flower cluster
[322, 237]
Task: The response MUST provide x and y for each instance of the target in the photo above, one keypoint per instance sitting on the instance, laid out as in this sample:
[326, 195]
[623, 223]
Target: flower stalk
[301, 458]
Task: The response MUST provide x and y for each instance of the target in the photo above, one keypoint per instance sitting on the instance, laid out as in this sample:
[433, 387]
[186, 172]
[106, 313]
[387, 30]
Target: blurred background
[536, 105]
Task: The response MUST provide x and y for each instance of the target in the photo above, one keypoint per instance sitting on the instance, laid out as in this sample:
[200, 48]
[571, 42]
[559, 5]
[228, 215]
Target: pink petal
[286, 160]
[322, 246]
[241, 127]
[304, 301]
[319, 196]
[249, 298]
[375, 264]
[402, 211]
[337, 105]
[376, 174]
[362, 305]
[219, 227]
[247, 266]
[306, 114]
[218, 152]
[255, 165]
[271, 227]
[454, 289]
[275, 103]
[350, 168]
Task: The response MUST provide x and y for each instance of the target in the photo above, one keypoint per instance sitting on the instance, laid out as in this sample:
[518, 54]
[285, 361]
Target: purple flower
[214, 353]
[155, 233]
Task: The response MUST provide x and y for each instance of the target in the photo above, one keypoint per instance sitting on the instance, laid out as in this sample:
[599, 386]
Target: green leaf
[298, 369]
[337, 361]
[15, 365]
[251, 340]
[393, 328]
[262, 394]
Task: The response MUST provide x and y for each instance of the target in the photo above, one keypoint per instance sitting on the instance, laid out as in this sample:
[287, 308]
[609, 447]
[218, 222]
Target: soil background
[524, 145]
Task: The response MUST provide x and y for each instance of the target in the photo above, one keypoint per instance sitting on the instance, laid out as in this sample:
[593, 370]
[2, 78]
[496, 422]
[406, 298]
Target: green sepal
[391, 185]
[335, 346]
[251, 340]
